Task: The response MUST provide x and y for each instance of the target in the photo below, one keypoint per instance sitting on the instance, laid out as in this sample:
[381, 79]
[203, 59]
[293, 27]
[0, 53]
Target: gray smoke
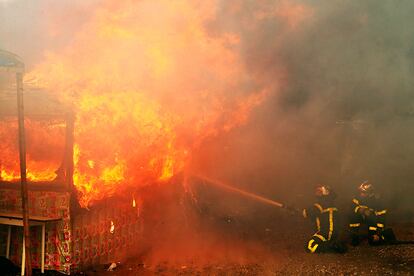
[343, 107]
[345, 112]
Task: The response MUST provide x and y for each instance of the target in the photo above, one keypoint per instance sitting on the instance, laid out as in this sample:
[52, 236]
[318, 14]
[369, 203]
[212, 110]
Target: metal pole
[22, 154]
[70, 125]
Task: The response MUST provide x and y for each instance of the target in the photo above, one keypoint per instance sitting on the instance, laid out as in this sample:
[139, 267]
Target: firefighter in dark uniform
[324, 214]
[367, 211]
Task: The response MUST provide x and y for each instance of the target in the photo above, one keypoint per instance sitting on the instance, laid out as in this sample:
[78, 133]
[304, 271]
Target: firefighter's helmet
[366, 188]
[322, 190]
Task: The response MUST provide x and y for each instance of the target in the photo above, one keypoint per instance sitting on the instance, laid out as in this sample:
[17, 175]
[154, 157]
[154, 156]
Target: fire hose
[247, 194]
[290, 209]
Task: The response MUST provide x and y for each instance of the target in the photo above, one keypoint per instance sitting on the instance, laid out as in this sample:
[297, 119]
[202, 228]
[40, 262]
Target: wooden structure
[77, 238]
[16, 219]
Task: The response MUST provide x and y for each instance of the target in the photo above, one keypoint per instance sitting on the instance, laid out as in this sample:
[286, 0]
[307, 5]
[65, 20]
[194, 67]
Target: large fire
[148, 83]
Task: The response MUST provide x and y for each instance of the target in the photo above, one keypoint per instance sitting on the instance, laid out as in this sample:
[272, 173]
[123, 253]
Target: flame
[44, 146]
[148, 83]
[112, 227]
[137, 203]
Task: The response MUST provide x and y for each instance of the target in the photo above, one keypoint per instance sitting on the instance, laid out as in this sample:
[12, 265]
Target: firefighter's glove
[375, 238]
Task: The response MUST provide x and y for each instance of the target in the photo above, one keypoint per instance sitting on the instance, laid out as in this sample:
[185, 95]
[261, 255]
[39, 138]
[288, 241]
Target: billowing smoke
[338, 107]
[345, 110]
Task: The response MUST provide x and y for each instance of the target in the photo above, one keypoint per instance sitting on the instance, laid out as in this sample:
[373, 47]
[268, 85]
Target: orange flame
[45, 149]
[148, 83]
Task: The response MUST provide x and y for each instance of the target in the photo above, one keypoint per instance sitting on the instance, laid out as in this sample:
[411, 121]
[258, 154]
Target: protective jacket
[324, 214]
[368, 211]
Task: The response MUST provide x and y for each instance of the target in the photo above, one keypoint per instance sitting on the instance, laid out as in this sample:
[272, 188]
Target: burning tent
[79, 238]
[141, 107]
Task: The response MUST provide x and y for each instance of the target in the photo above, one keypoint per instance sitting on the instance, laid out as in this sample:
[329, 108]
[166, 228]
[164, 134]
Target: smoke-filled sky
[341, 107]
[345, 112]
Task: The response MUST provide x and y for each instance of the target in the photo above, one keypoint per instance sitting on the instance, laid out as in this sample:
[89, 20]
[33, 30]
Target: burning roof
[45, 128]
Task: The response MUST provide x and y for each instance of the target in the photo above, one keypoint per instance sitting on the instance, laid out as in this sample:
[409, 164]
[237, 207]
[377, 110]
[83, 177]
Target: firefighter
[324, 213]
[367, 211]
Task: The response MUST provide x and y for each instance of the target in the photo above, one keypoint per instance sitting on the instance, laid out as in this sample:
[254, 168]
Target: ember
[112, 228]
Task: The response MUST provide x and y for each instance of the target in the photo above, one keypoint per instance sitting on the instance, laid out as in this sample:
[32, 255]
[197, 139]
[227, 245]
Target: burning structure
[77, 239]
[126, 128]
[127, 99]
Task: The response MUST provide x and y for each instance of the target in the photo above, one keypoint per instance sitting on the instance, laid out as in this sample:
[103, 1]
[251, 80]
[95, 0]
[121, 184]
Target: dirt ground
[274, 245]
[358, 261]
[224, 235]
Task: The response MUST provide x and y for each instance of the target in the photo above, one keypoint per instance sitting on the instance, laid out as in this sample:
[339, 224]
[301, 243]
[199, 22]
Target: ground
[282, 253]
[222, 235]
[358, 261]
